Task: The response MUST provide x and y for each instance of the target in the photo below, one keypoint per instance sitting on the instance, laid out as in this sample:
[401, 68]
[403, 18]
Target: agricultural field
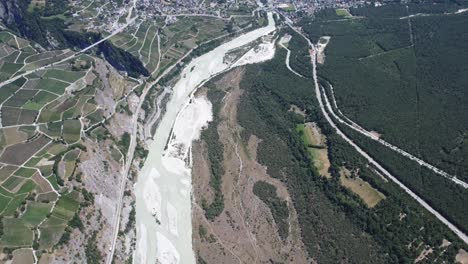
[47, 118]
[159, 44]
[62, 112]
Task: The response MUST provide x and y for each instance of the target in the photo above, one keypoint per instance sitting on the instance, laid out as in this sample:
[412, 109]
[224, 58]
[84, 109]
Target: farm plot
[8, 69]
[48, 60]
[26, 100]
[51, 85]
[65, 76]
[27, 117]
[176, 39]
[4, 201]
[11, 58]
[14, 136]
[6, 171]
[20, 153]
[14, 204]
[35, 213]
[23, 255]
[7, 91]
[5, 37]
[53, 130]
[10, 116]
[39, 100]
[71, 131]
[53, 228]
[141, 38]
[13, 184]
[185, 34]
[24, 172]
[17, 55]
[20, 98]
[16, 233]
[42, 56]
[25, 198]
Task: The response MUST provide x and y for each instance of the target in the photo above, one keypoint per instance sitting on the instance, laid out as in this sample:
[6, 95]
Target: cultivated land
[273, 180]
[48, 124]
[65, 133]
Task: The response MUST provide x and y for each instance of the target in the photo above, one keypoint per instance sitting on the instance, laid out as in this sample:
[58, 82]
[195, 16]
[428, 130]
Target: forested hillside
[335, 222]
[403, 77]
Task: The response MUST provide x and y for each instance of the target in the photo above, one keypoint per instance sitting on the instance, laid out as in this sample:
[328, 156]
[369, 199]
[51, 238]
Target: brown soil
[20, 153]
[23, 255]
[363, 189]
[297, 110]
[245, 232]
[202, 170]
[13, 136]
[462, 257]
[43, 183]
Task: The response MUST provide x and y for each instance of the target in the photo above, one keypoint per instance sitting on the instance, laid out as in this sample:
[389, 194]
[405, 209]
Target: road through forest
[318, 94]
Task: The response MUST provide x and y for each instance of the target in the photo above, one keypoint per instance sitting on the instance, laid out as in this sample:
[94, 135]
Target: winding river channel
[163, 190]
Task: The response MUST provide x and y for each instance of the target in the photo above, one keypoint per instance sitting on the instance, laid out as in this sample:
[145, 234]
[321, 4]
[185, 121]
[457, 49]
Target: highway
[351, 124]
[318, 94]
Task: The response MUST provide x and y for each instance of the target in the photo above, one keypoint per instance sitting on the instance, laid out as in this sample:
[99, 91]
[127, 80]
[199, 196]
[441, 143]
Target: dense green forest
[405, 79]
[215, 154]
[334, 222]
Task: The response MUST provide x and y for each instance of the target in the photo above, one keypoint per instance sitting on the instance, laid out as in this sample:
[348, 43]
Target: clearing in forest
[363, 189]
[316, 145]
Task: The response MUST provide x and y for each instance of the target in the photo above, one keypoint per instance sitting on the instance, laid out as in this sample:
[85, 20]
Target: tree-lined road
[356, 127]
[318, 94]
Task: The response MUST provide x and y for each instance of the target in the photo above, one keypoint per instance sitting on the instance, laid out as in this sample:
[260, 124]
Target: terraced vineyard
[158, 44]
[47, 119]
[65, 125]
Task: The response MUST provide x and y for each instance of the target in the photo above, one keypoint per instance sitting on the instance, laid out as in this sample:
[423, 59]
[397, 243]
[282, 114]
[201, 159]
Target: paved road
[133, 142]
[351, 124]
[318, 94]
[130, 154]
[288, 55]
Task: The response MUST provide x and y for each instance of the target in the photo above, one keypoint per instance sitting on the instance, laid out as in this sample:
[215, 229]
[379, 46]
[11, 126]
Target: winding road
[288, 55]
[353, 125]
[318, 94]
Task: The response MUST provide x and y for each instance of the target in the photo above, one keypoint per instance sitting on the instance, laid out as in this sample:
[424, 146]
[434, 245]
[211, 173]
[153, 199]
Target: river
[163, 189]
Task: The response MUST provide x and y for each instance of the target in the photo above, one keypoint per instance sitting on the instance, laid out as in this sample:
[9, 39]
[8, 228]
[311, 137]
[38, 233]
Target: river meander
[163, 190]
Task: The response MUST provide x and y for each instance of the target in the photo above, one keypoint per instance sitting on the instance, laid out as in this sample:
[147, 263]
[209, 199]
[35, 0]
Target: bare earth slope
[245, 231]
